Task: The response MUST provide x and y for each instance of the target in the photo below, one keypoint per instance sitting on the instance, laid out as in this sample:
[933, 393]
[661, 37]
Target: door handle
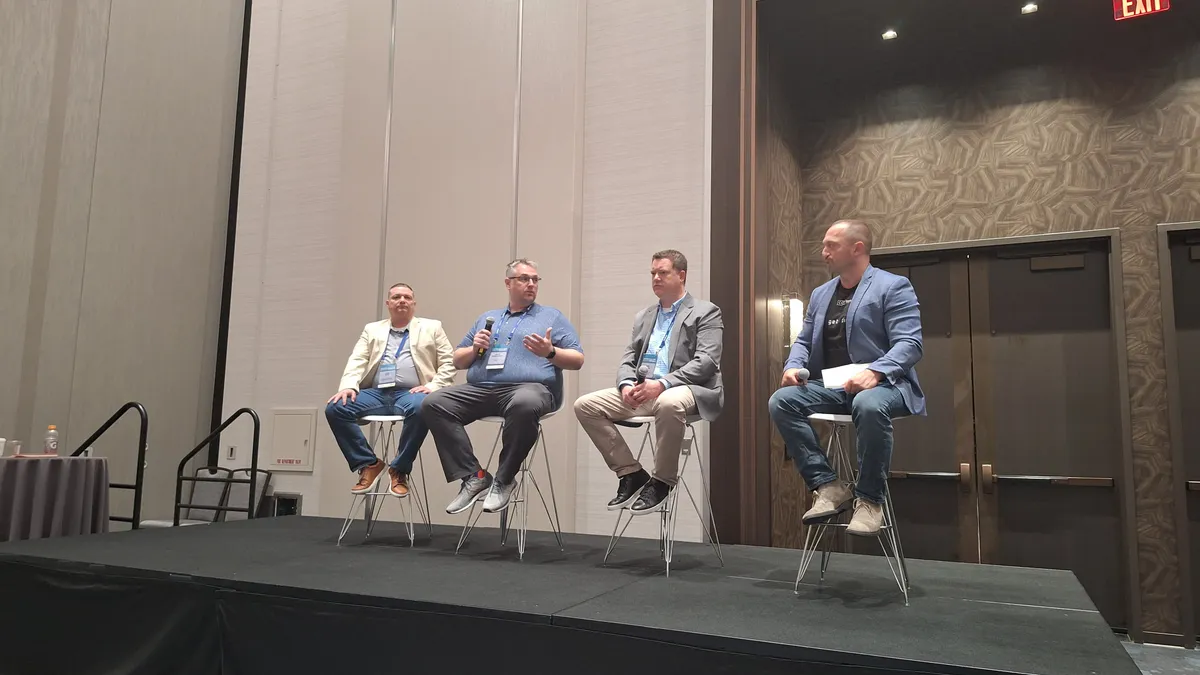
[1193, 485]
[987, 478]
[1077, 481]
[949, 475]
[963, 475]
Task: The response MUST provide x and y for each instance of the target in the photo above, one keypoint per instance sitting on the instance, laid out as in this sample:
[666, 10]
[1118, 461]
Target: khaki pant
[598, 410]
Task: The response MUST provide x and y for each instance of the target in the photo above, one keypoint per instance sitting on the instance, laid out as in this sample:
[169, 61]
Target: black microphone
[642, 371]
[488, 327]
[802, 375]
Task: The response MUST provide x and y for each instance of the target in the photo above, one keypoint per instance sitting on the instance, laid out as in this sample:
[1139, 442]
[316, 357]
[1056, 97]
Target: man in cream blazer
[396, 362]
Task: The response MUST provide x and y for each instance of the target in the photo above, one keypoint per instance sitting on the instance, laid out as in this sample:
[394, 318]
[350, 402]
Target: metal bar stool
[846, 468]
[371, 501]
[669, 513]
[519, 502]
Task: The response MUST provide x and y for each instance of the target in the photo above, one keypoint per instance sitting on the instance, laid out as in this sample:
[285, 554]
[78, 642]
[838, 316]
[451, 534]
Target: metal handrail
[180, 477]
[140, 473]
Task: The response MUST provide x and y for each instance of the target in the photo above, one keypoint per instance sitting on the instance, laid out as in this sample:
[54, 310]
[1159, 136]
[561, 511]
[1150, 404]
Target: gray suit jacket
[695, 352]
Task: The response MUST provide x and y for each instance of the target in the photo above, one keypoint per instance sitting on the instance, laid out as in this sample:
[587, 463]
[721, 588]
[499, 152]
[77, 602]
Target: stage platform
[277, 595]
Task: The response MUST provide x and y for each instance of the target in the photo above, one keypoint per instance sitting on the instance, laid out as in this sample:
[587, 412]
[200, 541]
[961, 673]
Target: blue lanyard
[527, 312]
[666, 333]
[403, 341]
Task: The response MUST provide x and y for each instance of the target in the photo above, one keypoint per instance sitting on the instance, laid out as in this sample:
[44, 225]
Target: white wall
[611, 146]
[117, 122]
[643, 190]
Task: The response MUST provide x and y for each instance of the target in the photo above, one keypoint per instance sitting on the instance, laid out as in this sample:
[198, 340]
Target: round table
[43, 497]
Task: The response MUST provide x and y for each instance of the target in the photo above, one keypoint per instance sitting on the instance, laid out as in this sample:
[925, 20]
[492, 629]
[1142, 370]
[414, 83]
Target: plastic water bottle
[3, 442]
[50, 446]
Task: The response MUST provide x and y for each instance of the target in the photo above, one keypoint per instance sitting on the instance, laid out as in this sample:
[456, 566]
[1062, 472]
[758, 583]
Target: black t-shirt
[837, 353]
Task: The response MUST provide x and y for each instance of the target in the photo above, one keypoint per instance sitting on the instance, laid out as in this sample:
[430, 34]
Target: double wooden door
[1019, 459]
[1184, 295]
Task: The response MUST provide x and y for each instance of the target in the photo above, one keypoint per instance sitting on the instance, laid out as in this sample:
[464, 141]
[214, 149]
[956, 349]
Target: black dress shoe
[627, 491]
[652, 498]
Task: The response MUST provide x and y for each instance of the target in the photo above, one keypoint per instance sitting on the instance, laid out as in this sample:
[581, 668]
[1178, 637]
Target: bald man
[863, 316]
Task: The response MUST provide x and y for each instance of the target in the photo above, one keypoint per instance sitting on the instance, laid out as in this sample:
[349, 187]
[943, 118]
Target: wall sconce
[793, 317]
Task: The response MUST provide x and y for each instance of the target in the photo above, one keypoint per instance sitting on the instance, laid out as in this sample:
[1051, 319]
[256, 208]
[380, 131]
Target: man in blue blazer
[865, 316]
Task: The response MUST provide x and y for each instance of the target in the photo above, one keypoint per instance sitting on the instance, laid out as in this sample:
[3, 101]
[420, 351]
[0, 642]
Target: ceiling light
[889, 34]
[1029, 8]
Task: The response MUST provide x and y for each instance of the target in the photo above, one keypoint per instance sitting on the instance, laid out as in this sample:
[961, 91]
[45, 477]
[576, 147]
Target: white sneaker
[830, 500]
[498, 497]
[470, 491]
[867, 520]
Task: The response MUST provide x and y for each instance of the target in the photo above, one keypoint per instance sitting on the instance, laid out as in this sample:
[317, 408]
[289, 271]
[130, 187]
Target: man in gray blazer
[864, 316]
[671, 369]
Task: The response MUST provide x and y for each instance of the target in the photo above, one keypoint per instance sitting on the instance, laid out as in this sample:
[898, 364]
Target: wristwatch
[552, 354]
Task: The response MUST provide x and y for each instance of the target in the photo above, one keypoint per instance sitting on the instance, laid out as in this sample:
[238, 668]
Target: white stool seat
[842, 419]
[648, 419]
[381, 418]
[496, 419]
[831, 417]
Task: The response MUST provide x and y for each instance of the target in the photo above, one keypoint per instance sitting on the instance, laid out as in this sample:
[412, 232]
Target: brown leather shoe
[399, 483]
[368, 478]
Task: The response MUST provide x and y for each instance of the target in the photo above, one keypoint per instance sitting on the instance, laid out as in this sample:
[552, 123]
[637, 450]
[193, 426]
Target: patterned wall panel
[1027, 151]
[783, 203]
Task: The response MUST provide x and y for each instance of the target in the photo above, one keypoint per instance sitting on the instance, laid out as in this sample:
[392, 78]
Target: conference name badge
[496, 358]
[387, 376]
[650, 360]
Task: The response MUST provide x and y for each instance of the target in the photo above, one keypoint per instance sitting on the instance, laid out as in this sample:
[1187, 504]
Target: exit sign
[1128, 9]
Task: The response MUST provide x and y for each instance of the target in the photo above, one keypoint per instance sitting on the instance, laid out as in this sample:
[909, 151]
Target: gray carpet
[1158, 660]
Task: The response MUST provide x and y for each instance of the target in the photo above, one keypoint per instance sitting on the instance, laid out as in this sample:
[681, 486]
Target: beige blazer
[431, 353]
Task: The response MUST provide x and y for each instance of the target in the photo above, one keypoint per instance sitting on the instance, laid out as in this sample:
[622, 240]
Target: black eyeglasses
[526, 279]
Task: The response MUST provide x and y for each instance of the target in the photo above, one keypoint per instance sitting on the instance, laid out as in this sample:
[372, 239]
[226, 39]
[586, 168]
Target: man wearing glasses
[514, 358]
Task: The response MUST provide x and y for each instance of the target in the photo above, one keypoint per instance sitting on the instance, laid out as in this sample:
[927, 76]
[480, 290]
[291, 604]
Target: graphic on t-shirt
[836, 350]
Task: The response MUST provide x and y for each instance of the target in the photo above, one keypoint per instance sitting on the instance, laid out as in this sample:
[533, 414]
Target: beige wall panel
[28, 35]
[450, 197]
[287, 280]
[364, 150]
[254, 191]
[66, 223]
[643, 190]
[159, 207]
[548, 218]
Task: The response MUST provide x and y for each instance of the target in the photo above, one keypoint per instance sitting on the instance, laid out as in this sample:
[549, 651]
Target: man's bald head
[854, 231]
[847, 246]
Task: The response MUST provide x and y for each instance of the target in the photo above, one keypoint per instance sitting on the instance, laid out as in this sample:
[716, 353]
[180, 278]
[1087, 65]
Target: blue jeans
[343, 421]
[872, 411]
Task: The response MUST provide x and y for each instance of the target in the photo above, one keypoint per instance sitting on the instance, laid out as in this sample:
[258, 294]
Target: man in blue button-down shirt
[514, 371]
[671, 369]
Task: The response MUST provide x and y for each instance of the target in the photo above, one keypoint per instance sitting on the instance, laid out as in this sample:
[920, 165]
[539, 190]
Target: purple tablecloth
[44, 497]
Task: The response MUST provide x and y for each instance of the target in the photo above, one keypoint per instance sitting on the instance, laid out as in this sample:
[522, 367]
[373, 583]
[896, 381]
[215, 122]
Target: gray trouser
[448, 411]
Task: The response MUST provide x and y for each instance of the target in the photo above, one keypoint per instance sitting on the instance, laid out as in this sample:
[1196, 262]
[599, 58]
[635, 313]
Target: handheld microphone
[488, 327]
[802, 375]
[642, 371]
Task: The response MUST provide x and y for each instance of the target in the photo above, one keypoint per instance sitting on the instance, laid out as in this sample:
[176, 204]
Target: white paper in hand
[835, 378]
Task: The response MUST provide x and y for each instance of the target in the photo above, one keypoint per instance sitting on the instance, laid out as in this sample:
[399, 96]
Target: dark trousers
[448, 411]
